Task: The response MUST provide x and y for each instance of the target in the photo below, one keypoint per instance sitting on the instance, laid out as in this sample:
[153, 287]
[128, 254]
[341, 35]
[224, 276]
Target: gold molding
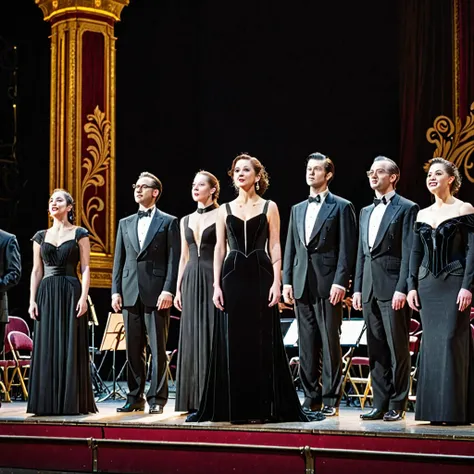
[98, 130]
[110, 9]
[454, 141]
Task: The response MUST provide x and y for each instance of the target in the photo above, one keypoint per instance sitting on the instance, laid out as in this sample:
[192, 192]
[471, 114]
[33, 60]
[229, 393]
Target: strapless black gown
[60, 379]
[442, 262]
[249, 377]
[197, 319]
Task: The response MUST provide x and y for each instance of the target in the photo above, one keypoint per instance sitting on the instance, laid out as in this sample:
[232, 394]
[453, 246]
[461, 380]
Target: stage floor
[348, 422]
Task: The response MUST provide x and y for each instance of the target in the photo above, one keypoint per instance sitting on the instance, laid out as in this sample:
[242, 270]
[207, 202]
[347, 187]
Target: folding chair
[21, 346]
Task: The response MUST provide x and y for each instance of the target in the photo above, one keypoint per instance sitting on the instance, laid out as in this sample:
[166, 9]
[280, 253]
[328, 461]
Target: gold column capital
[53, 9]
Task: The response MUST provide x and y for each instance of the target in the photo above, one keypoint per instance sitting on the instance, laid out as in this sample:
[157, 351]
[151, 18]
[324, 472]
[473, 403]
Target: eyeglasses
[143, 187]
[371, 173]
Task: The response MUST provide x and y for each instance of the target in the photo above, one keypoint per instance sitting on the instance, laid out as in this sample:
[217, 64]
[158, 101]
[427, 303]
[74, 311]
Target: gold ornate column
[82, 129]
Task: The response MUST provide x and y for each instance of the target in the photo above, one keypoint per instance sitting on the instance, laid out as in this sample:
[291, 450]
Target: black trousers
[141, 321]
[2, 337]
[319, 327]
[389, 353]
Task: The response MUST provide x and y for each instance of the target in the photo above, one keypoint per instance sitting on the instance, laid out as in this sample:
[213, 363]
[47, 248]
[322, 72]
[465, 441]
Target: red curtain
[425, 85]
[465, 29]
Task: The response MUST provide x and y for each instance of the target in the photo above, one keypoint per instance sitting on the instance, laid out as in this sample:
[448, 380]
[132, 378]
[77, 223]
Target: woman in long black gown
[60, 380]
[194, 292]
[249, 378]
[440, 284]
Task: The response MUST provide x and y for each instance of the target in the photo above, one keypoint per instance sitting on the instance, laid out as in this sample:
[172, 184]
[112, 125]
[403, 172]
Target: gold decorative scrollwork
[98, 130]
[454, 142]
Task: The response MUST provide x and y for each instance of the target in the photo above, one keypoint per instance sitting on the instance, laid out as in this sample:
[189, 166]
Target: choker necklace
[202, 210]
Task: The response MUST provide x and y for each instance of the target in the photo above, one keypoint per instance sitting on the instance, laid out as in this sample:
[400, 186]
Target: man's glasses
[371, 173]
[143, 187]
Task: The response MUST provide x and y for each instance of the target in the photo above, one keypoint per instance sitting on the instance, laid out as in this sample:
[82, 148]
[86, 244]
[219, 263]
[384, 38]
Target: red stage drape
[426, 85]
[465, 29]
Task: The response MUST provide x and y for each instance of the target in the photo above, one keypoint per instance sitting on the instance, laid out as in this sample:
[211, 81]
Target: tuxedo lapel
[390, 213]
[155, 226]
[365, 219]
[132, 231]
[325, 211]
[300, 220]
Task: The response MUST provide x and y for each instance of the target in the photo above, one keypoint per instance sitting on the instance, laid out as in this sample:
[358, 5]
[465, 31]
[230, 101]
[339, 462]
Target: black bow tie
[202, 210]
[378, 201]
[146, 213]
[316, 198]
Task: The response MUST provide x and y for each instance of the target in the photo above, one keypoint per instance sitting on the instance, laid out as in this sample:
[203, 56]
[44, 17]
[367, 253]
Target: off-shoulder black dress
[441, 263]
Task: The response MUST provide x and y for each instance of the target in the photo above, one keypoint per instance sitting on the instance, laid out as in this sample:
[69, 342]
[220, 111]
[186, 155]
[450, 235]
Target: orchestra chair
[414, 347]
[21, 346]
[414, 326]
[8, 364]
[358, 378]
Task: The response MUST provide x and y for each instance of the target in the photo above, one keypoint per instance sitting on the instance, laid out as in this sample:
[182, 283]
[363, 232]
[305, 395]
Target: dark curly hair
[259, 169]
[451, 169]
[71, 215]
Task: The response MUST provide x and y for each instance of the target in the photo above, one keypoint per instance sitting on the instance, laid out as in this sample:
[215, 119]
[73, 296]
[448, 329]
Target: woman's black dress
[248, 378]
[197, 319]
[442, 262]
[60, 380]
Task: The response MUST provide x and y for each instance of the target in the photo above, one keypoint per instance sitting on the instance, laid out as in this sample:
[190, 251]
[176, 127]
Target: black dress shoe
[329, 410]
[129, 407]
[374, 414]
[394, 415]
[156, 409]
[311, 405]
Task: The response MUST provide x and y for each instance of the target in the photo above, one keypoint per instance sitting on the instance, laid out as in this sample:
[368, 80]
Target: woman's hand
[464, 299]
[274, 294]
[81, 307]
[413, 301]
[218, 298]
[33, 311]
[177, 301]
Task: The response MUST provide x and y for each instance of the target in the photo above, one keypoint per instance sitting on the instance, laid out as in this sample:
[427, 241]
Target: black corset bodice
[204, 252]
[247, 236]
[448, 249]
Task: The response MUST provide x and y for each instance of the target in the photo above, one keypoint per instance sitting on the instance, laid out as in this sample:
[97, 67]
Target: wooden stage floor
[348, 422]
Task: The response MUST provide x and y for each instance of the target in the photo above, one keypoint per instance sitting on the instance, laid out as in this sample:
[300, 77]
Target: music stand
[353, 335]
[114, 340]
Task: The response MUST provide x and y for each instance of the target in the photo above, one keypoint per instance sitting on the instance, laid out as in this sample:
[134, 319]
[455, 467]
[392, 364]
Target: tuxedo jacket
[331, 249]
[148, 271]
[10, 270]
[384, 269]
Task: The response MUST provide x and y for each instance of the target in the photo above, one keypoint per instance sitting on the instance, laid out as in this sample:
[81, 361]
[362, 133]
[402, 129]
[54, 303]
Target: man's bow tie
[146, 213]
[378, 201]
[316, 198]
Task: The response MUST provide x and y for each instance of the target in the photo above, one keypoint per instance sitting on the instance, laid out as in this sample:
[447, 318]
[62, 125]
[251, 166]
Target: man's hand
[357, 301]
[117, 303]
[288, 296]
[336, 295]
[398, 300]
[165, 301]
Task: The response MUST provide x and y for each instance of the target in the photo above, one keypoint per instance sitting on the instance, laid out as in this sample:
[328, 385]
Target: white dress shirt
[312, 214]
[377, 216]
[143, 226]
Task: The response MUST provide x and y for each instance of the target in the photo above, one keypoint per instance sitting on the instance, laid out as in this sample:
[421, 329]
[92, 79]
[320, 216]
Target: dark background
[200, 81]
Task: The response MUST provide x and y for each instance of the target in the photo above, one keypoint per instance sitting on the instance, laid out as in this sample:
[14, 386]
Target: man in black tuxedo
[10, 273]
[380, 289]
[144, 277]
[319, 257]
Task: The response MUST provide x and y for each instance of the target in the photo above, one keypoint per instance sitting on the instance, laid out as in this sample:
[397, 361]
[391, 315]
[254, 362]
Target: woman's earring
[257, 186]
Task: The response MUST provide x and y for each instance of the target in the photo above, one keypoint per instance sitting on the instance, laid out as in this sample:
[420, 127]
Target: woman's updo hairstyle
[71, 215]
[259, 169]
[451, 169]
